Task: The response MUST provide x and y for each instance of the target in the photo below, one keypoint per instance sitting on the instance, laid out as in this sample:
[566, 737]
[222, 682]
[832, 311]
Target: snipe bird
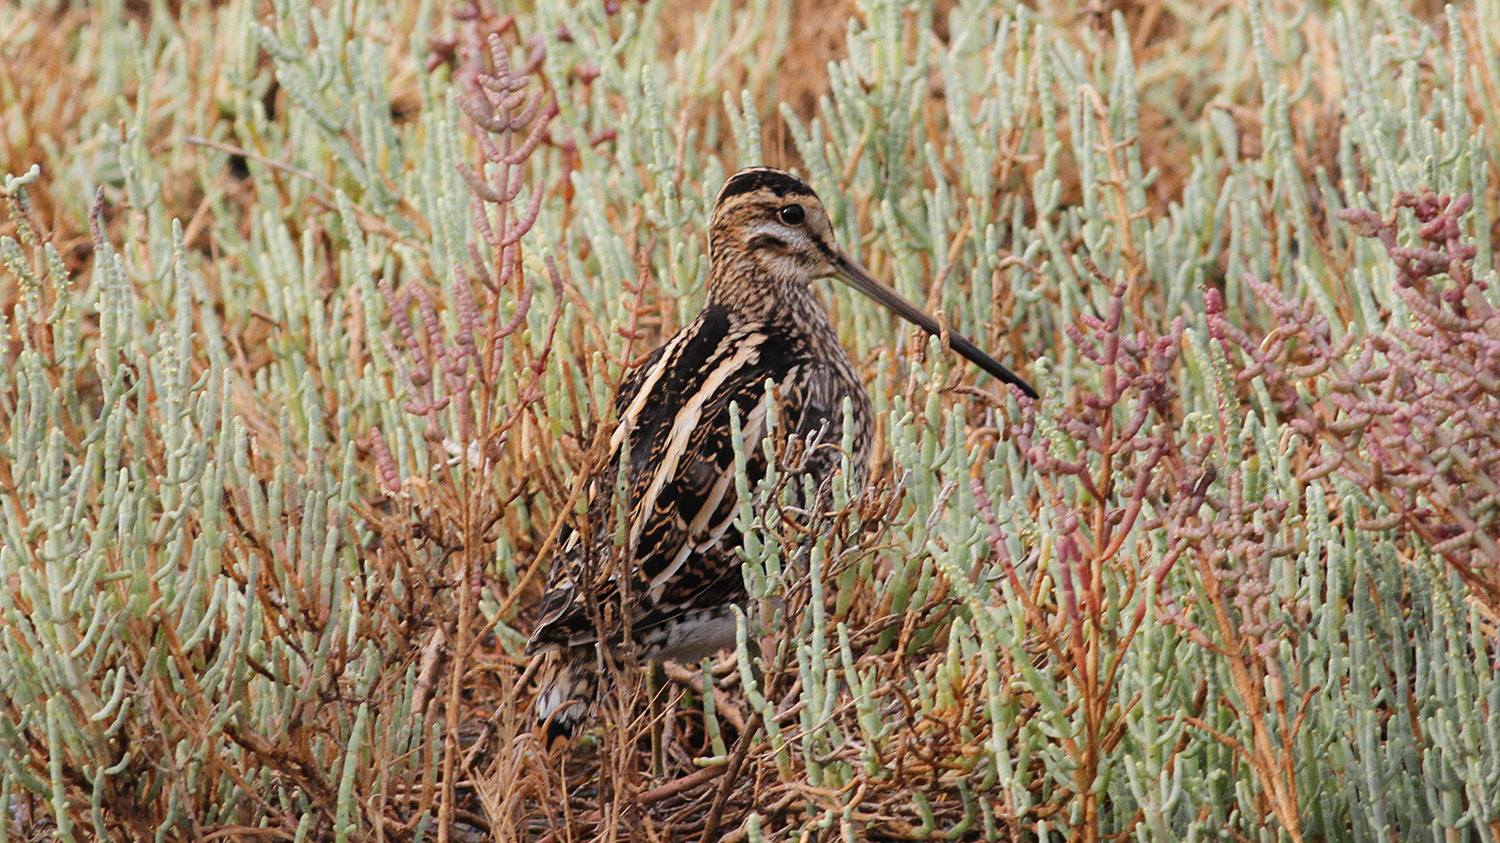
[768, 241]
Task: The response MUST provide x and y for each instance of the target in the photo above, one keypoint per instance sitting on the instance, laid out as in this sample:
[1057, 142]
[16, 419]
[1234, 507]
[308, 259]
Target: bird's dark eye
[792, 214]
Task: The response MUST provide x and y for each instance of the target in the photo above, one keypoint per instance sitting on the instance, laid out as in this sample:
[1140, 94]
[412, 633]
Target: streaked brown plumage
[768, 240]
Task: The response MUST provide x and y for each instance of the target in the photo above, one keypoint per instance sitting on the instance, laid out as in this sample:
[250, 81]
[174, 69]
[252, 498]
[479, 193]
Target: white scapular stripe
[752, 432]
[642, 395]
[746, 352]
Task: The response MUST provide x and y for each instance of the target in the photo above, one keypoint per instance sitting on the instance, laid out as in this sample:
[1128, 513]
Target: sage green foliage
[1387, 671]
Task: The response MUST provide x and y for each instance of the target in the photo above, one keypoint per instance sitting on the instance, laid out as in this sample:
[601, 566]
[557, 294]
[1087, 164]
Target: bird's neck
[791, 304]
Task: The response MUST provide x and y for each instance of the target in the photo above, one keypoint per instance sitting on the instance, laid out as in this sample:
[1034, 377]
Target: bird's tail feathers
[568, 692]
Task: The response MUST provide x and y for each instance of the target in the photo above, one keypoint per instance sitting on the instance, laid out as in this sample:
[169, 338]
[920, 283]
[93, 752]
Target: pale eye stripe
[753, 431]
[686, 421]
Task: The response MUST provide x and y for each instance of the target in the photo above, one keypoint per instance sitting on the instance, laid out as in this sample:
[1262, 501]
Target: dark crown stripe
[778, 182]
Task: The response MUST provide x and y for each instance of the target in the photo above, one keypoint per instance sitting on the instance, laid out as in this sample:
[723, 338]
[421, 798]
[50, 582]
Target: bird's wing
[673, 432]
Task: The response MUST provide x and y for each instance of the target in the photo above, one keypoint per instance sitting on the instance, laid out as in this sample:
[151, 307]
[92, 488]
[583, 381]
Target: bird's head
[769, 232]
[770, 237]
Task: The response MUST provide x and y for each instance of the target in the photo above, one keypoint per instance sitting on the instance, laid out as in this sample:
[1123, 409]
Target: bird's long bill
[855, 276]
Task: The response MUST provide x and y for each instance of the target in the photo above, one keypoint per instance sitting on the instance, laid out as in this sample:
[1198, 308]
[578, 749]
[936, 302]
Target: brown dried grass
[640, 780]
